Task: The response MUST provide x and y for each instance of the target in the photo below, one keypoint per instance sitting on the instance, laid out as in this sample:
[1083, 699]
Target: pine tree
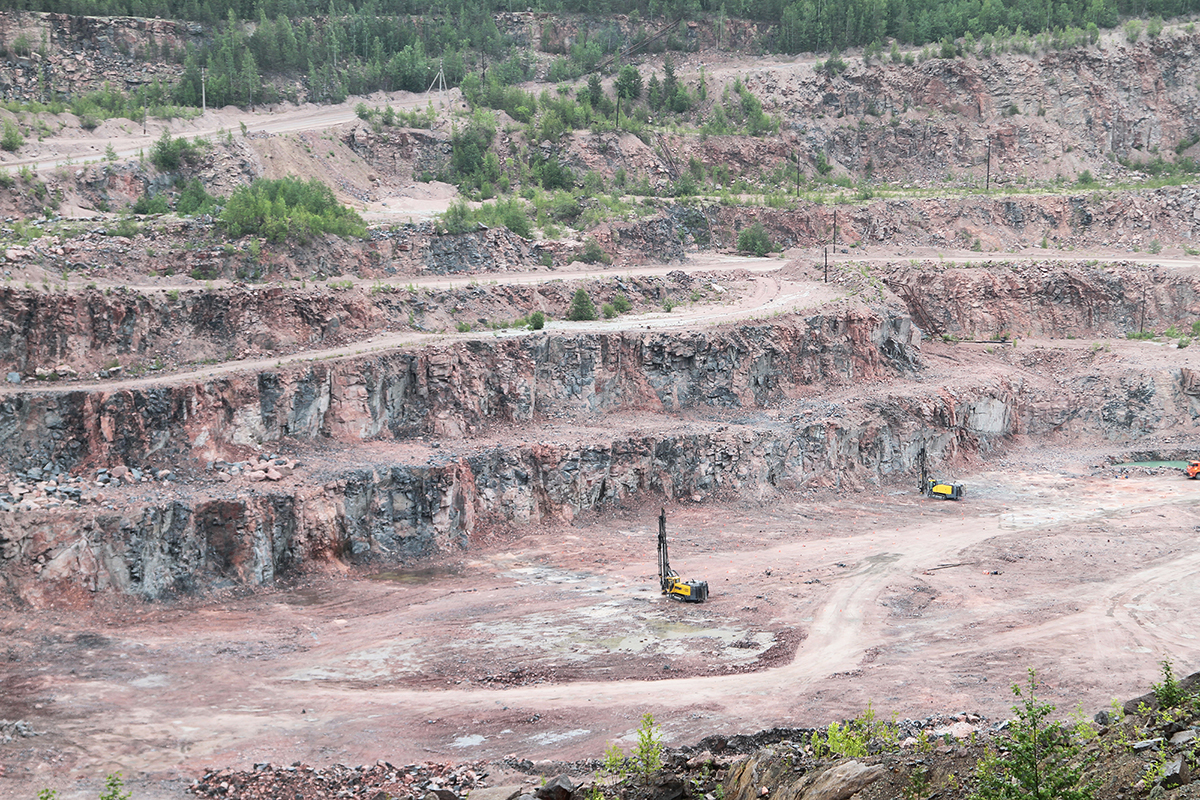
[582, 307]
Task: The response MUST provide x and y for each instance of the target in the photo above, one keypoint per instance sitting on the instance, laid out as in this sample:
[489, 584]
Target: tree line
[373, 43]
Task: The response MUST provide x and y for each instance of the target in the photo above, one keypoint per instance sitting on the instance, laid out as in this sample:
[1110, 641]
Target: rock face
[836, 782]
[452, 391]
[1044, 300]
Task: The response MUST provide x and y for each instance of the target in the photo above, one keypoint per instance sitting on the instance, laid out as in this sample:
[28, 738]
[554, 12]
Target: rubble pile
[13, 729]
[381, 780]
[264, 468]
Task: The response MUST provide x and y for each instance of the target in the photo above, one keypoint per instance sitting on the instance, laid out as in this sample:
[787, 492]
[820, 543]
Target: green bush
[608, 310]
[1041, 759]
[12, 138]
[537, 321]
[194, 199]
[755, 240]
[169, 153]
[288, 208]
[592, 254]
[622, 305]
[1169, 693]
[150, 204]
[647, 753]
[582, 307]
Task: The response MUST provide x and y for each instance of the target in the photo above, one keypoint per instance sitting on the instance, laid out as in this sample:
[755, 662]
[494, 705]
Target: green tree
[647, 753]
[1041, 760]
[628, 83]
[582, 307]
[537, 321]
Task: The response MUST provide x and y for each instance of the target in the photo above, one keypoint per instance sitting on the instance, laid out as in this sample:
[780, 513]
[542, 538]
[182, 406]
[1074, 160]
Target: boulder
[561, 788]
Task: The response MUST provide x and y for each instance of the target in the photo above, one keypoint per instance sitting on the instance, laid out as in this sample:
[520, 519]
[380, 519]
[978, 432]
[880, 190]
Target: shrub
[194, 199]
[289, 207]
[1169, 693]
[1039, 762]
[150, 204]
[169, 153]
[608, 310]
[755, 240]
[537, 321]
[622, 305]
[592, 254]
[582, 307]
[113, 786]
[647, 753]
[12, 139]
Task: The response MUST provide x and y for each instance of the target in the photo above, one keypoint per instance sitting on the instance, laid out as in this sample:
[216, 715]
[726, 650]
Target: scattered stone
[1184, 736]
[561, 788]
[1175, 774]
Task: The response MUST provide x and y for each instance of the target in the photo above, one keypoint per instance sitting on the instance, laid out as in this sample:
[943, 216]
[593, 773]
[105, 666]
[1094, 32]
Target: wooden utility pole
[827, 265]
[988, 185]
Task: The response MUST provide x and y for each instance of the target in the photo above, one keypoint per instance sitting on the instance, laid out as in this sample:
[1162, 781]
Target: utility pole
[203, 90]
[835, 230]
[988, 185]
[1142, 324]
[827, 265]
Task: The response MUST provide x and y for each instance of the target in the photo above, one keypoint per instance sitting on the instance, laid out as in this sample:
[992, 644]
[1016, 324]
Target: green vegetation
[582, 307]
[113, 788]
[1169, 693]
[592, 254]
[1041, 759]
[11, 140]
[169, 153]
[150, 204]
[194, 199]
[288, 208]
[647, 753]
[755, 240]
[537, 321]
[511, 213]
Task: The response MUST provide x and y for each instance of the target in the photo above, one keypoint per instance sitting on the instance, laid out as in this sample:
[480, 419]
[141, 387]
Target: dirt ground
[556, 643]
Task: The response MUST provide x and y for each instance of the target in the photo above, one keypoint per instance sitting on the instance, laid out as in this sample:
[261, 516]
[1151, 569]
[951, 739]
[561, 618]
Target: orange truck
[1193, 469]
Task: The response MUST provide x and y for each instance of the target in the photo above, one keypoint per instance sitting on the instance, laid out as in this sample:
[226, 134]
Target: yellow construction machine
[931, 487]
[672, 585]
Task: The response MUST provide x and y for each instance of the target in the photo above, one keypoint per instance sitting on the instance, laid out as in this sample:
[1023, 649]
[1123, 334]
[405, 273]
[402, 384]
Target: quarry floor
[556, 643]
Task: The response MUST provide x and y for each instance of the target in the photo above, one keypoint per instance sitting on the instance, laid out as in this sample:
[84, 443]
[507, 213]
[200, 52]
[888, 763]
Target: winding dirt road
[554, 645]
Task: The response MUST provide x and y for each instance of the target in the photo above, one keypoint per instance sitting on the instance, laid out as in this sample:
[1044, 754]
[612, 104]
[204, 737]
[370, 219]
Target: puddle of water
[418, 575]
[559, 736]
[472, 740]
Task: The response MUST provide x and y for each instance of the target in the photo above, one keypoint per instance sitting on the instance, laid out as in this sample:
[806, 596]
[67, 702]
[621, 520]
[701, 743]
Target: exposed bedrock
[1051, 300]
[454, 390]
[388, 513]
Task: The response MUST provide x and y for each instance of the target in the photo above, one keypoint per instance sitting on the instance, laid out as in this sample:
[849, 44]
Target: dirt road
[554, 645]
